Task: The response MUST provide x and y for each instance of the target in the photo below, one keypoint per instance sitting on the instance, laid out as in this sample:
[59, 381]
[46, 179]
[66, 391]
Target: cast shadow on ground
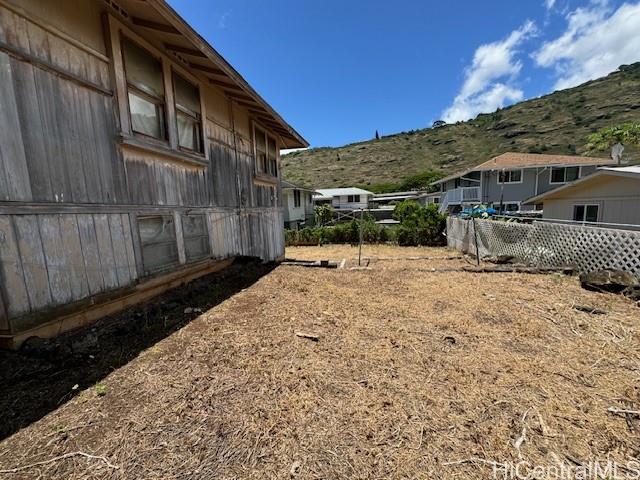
[40, 380]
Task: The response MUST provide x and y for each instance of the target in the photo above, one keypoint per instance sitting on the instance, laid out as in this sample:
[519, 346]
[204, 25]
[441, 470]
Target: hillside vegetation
[556, 123]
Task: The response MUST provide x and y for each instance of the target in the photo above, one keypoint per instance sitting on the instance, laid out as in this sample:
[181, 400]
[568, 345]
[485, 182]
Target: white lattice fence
[549, 244]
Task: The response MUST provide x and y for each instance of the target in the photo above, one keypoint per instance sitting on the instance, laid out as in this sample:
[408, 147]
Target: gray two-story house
[505, 182]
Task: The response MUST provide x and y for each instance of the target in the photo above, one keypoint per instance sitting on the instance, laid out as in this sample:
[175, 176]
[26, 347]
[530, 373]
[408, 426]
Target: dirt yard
[420, 371]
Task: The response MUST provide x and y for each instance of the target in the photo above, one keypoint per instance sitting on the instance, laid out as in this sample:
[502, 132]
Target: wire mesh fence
[545, 244]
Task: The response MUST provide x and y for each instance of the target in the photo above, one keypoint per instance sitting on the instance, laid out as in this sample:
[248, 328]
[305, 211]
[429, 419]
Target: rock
[85, 343]
[609, 280]
[188, 310]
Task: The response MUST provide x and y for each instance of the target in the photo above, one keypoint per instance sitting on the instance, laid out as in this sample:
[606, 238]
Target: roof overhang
[185, 44]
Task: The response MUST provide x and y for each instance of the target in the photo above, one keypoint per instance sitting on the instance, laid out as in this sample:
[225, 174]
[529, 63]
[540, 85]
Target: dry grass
[413, 370]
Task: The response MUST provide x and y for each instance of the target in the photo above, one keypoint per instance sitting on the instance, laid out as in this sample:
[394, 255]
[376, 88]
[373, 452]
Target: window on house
[188, 114]
[196, 237]
[564, 174]
[296, 198]
[272, 157]
[510, 176]
[145, 91]
[353, 198]
[266, 153]
[585, 213]
[158, 241]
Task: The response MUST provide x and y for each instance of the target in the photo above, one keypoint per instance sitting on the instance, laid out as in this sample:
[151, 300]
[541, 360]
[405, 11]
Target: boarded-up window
[196, 237]
[158, 240]
[188, 114]
[145, 90]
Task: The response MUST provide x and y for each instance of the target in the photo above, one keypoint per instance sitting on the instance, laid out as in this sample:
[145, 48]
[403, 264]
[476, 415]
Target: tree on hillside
[605, 138]
[377, 135]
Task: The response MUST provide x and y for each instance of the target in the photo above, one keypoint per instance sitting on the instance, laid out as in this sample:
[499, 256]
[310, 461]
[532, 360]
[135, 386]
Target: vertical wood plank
[12, 154]
[137, 247]
[73, 158]
[177, 220]
[89, 147]
[119, 249]
[128, 239]
[33, 261]
[90, 253]
[105, 250]
[75, 261]
[56, 259]
[48, 101]
[34, 140]
[4, 320]
[11, 271]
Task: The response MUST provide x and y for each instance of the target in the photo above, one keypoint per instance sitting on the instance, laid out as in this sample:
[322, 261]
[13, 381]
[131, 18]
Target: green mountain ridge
[557, 123]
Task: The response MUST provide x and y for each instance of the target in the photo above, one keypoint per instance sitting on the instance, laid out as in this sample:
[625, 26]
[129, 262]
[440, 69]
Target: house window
[564, 174]
[296, 198]
[585, 213]
[189, 118]
[353, 198]
[158, 241]
[266, 153]
[145, 91]
[510, 176]
[196, 237]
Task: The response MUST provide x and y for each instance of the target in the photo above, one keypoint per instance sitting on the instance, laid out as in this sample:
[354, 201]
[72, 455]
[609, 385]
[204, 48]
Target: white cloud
[487, 81]
[597, 41]
[549, 4]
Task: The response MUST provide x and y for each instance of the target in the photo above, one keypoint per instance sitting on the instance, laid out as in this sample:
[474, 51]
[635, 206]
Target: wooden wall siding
[26, 38]
[50, 260]
[154, 181]
[57, 139]
[72, 194]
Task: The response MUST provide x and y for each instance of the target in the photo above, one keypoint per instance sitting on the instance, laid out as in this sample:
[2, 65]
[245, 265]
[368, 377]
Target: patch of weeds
[101, 390]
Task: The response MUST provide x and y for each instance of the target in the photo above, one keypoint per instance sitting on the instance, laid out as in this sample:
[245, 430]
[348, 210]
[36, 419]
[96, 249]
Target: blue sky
[338, 70]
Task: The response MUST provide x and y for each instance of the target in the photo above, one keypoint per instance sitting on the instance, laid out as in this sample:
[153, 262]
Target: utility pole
[360, 246]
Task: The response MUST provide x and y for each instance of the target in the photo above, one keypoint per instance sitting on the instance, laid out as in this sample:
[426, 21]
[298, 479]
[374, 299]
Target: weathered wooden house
[133, 158]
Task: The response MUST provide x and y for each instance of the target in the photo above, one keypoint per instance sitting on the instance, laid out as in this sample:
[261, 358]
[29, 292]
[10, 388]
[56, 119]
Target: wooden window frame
[131, 88]
[186, 237]
[265, 175]
[509, 171]
[148, 270]
[178, 111]
[116, 31]
[297, 198]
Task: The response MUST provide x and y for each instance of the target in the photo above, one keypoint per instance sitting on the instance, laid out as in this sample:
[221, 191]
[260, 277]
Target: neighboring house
[610, 195]
[380, 199]
[133, 158]
[298, 205]
[511, 178]
[343, 198]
